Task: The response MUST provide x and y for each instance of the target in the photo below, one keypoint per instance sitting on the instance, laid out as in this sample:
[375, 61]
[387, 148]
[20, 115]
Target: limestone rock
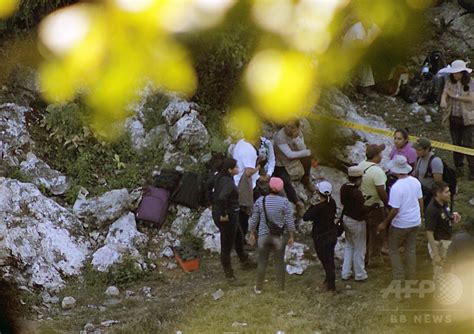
[45, 242]
[15, 140]
[207, 230]
[68, 303]
[122, 239]
[43, 175]
[106, 208]
[182, 221]
[188, 131]
[112, 291]
[175, 157]
[176, 109]
[137, 132]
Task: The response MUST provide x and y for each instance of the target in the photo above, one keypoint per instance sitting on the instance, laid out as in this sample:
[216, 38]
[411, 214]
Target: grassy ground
[184, 301]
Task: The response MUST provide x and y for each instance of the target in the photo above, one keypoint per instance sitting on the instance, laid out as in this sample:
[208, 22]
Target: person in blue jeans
[404, 218]
[267, 210]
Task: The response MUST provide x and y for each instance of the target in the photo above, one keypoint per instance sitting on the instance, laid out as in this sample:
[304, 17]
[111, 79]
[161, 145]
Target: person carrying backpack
[271, 214]
[457, 101]
[225, 213]
[428, 168]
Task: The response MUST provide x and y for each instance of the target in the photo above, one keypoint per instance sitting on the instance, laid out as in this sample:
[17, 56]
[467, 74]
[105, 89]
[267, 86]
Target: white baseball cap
[324, 187]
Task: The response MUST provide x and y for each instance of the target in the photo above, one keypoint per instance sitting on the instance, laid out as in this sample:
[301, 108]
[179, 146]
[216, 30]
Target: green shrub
[152, 111]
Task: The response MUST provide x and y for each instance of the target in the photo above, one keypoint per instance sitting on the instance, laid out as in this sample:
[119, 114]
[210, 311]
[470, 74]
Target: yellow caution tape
[389, 133]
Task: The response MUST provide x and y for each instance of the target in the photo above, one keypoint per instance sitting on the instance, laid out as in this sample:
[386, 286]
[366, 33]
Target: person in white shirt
[404, 218]
[246, 154]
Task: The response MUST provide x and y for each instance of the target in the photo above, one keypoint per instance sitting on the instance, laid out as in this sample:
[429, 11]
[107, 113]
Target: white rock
[207, 230]
[43, 175]
[104, 257]
[68, 303]
[137, 132]
[176, 157]
[112, 291]
[146, 291]
[158, 135]
[176, 109]
[15, 141]
[189, 132]
[106, 208]
[45, 241]
[108, 323]
[182, 221]
[428, 119]
[89, 327]
[122, 239]
[129, 294]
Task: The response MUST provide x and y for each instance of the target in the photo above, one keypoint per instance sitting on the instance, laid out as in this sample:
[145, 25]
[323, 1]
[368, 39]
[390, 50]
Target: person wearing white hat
[404, 218]
[324, 232]
[457, 102]
[354, 217]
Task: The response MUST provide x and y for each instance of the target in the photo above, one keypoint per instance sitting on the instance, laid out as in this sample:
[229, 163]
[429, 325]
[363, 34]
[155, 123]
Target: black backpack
[435, 61]
[190, 191]
[449, 175]
[167, 179]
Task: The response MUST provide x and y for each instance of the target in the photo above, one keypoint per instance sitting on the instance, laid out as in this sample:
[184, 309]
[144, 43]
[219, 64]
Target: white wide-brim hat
[399, 165]
[456, 67]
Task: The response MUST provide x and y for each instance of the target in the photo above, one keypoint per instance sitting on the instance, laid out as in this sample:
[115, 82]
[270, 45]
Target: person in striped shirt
[277, 210]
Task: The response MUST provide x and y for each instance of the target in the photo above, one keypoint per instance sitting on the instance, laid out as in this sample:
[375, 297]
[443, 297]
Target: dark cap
[373, 149]
[423, 143]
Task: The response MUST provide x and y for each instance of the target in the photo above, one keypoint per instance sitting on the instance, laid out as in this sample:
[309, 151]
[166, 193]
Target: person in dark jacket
[354, 216]
[324, 231]
[225, 213]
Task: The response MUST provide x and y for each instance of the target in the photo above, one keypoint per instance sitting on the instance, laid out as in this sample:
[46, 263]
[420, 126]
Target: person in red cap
[375, 194]
[271, 214]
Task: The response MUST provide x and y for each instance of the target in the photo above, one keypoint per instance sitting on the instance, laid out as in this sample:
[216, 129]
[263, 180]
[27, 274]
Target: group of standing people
[383, 211]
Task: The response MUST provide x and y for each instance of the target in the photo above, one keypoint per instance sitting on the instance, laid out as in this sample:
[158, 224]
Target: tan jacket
[467, 107]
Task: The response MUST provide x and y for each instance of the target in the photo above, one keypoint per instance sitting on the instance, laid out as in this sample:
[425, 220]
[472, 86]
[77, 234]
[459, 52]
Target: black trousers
[288, 186]
[231, 238]
[461, 135]
[325, 251]
[244, 222]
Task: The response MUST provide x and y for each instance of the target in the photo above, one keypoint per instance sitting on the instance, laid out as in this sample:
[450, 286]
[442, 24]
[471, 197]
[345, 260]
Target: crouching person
[271, 214]
[225, 213]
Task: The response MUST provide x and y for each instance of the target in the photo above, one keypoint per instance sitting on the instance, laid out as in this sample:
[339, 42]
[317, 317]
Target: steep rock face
[176, 109]
[43, 175]
[41, 241]
[458, 37]
[15, 140]
[341, 107]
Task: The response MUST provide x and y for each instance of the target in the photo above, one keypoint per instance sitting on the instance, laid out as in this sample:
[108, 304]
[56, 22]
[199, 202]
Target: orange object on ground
[186, 265]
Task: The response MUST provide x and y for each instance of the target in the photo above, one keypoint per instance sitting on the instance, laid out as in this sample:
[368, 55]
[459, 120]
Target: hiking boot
[248, 265]
[232, 281]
